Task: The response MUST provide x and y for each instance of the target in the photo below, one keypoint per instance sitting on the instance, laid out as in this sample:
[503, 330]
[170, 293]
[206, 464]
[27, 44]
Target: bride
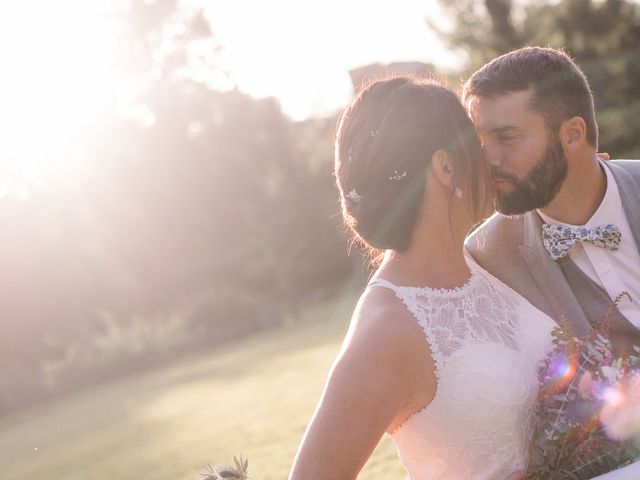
[439, 354]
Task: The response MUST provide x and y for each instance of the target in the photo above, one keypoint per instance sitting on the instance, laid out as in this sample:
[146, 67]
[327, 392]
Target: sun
[58, 75]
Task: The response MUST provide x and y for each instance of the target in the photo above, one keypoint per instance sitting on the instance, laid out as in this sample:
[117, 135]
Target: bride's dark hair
[384, 143]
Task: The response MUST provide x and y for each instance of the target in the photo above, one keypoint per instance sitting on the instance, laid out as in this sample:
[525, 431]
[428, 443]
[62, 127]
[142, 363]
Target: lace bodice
[486, 341]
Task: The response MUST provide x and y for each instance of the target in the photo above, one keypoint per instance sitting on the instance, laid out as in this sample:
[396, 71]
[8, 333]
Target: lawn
[253, 397]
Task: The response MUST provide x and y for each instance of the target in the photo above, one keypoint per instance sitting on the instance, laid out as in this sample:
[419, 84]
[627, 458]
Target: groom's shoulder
[499, 234]
[631, 166]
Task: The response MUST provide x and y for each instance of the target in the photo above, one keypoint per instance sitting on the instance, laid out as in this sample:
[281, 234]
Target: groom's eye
[506, 138]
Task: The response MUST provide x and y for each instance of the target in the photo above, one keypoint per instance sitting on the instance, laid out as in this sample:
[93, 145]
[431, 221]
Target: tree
[602, 37]
[207, 202]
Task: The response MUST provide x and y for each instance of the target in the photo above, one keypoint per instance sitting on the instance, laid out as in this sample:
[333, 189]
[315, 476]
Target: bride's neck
[435, 257]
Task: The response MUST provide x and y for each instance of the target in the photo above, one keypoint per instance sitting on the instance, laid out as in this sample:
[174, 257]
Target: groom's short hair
[560, 88]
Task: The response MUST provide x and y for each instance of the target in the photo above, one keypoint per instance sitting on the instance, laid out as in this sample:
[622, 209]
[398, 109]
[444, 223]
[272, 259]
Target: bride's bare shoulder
[381, 321]
[380, 306]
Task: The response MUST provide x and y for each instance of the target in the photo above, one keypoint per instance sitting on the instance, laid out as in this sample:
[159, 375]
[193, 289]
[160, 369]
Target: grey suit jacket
[511, 249]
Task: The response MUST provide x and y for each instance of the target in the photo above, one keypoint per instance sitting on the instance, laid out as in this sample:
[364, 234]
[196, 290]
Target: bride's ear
[443, 169]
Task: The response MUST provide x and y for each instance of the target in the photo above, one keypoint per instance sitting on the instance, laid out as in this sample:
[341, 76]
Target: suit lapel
[550, 278]
[630, 196]
[596, 303]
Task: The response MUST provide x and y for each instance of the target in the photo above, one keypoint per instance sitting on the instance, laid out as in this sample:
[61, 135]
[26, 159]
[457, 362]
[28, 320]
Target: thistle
[240, 472]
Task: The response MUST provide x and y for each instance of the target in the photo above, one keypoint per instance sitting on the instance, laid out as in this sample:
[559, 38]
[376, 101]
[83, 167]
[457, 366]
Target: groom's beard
[539, 187]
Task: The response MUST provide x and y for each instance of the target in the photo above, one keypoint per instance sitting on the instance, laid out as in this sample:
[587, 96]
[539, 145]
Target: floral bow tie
[558, 240]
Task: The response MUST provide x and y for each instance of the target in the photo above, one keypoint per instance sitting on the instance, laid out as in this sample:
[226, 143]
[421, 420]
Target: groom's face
[527, 160]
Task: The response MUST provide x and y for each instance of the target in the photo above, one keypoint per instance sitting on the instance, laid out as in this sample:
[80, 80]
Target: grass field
[253, 398]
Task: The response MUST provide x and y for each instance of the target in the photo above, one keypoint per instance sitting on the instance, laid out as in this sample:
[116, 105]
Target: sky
[54, 80]
[57, 75]
[301, 51]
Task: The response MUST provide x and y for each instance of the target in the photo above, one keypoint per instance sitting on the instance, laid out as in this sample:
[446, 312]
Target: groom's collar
[532, 238]
[609, 210]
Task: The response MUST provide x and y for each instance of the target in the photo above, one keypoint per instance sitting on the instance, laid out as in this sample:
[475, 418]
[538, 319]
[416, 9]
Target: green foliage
[602, 37]
[216, 206]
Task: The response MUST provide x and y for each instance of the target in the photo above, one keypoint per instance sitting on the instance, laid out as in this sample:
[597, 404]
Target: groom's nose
[492, 155]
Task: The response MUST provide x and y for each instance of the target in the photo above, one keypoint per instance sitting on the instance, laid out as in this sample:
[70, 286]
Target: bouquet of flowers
[587, 420]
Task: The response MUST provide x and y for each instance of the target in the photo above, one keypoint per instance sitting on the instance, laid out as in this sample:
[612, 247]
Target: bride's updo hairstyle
[384, 143]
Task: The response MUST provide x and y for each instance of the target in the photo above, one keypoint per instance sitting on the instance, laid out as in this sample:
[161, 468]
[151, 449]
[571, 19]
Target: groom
[567, 233]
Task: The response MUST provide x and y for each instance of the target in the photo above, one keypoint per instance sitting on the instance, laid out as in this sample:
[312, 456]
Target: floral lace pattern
[486, 341]
[475, 312]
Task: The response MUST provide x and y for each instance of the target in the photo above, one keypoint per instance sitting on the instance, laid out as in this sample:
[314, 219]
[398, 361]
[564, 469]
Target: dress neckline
[458, 290]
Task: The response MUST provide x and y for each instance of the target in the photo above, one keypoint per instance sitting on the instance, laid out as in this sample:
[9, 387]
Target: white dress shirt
[615, 271]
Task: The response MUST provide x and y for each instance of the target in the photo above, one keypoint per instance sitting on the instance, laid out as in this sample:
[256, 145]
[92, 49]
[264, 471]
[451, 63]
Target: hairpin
[353, 196]
[373, 133]
[397, 176]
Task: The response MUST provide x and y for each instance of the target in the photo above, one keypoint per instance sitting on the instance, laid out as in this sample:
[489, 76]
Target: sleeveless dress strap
[381, 282]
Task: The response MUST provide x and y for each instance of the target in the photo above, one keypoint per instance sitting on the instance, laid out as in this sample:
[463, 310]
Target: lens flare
[561, 370]
[613, 397]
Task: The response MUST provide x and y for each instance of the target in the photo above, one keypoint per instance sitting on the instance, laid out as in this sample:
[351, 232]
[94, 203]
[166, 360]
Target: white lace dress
[486, 341]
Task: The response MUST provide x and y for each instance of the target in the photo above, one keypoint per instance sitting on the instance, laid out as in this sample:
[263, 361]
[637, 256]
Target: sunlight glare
[301, 52]
[59, 75]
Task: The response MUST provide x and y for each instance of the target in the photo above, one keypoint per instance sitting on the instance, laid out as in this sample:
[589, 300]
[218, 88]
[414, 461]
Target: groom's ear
[573, 134]
[443, 168]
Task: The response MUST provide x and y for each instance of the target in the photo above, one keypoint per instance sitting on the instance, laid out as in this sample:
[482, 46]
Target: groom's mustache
[500, 175]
